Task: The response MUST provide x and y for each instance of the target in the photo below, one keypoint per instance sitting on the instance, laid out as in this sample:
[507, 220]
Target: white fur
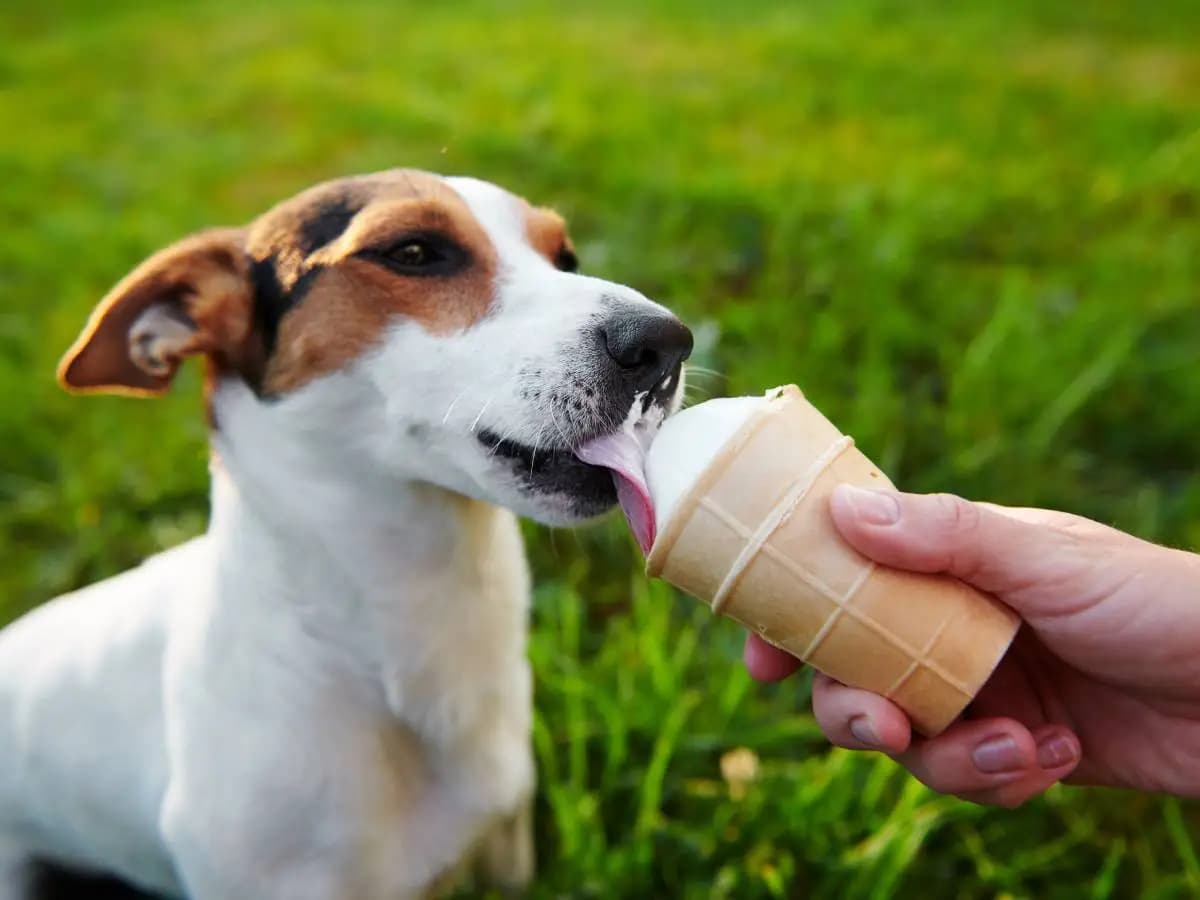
[325, 696]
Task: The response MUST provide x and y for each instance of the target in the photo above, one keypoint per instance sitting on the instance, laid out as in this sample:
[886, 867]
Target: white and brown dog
[327, 694]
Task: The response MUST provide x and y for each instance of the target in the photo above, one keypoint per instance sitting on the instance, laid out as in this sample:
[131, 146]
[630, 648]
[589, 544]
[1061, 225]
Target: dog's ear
[196, 296]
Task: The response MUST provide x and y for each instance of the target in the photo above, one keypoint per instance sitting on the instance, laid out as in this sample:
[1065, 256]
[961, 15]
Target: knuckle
[960, 521]
[957, 514]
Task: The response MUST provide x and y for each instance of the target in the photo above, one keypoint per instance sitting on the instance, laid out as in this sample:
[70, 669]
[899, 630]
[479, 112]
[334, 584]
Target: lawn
[971, 232]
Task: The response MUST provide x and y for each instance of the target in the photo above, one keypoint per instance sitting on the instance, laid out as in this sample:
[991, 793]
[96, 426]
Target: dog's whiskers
[537, 440]
[453, 403]
[566, 441]
[482, 410]
[611, 424]
[503, 437]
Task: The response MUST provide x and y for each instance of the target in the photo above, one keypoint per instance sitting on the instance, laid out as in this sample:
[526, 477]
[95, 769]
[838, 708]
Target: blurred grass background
[971, 232]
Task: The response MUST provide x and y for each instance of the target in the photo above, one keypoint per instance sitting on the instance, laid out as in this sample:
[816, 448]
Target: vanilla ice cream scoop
[737, 492]
[687, 443]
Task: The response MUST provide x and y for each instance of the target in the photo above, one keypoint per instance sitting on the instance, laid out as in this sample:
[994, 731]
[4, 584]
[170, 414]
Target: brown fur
[331, 304]
[353, 300]
[547, 232]
[207, 275]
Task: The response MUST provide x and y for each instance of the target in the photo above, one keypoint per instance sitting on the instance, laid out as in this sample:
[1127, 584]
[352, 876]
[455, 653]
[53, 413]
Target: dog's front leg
[293, 803]
[258, 803]
[506, 857]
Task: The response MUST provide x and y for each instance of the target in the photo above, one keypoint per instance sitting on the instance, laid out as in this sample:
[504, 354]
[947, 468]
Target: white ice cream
[686, 444]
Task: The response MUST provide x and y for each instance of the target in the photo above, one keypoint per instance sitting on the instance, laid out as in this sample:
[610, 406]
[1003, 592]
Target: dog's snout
[647, 348]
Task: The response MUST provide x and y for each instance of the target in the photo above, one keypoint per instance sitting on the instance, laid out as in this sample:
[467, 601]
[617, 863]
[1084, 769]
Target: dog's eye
[420, 255]
[414, 254]
[566, 260]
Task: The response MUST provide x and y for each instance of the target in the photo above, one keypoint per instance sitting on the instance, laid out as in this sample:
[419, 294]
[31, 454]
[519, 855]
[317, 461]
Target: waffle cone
[754, 538]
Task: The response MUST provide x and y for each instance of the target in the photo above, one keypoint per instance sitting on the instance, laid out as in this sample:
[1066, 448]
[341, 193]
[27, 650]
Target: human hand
[1101, 686]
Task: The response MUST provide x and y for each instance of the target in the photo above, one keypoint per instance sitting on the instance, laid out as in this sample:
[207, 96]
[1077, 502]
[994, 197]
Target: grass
[971, 232]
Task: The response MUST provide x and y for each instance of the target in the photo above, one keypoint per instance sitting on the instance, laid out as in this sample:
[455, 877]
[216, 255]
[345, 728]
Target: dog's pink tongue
[624, 456]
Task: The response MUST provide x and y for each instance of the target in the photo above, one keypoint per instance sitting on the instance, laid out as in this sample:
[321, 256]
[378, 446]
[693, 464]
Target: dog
[327, 695]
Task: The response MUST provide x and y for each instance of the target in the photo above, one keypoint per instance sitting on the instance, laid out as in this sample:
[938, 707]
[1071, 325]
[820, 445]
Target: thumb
[996, 553]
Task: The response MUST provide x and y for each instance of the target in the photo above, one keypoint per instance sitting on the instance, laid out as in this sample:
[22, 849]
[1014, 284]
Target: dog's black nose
[648, 347]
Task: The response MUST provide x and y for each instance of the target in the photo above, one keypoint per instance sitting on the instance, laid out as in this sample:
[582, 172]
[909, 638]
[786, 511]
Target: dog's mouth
[622, 453]
[594, 473]
[555, 472]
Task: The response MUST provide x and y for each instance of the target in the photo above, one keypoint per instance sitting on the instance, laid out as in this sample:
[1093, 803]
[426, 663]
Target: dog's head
[400, 325]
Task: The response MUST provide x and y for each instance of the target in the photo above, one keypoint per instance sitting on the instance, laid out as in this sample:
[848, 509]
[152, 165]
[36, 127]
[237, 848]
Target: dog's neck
[418, 593]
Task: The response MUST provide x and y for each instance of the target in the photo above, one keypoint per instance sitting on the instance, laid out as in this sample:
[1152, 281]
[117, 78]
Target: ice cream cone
[754, 537]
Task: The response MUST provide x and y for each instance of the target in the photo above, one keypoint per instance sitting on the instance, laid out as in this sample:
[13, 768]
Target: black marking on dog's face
[281, 279]
[275, 293]
[271, 301]
[326, 223]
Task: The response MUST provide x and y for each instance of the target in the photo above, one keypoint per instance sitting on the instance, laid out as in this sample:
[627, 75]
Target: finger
[995, 761]
[997, 553]
[859, 720]
[766, 662]
[1058, 755]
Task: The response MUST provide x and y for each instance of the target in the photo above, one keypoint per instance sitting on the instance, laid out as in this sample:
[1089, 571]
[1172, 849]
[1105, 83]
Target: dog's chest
[387, 702]
[455, 668]
[458, 690]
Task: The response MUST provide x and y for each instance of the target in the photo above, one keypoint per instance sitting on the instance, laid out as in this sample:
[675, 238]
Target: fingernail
[996, 755]
[1056, 750]
[872, 507]
[864, 731]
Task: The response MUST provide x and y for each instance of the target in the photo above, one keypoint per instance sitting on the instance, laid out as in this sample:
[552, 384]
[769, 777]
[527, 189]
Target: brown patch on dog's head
[547, 233]
[301, 292]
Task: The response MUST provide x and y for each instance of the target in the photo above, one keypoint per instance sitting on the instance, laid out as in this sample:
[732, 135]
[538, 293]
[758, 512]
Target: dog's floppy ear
[196, 296]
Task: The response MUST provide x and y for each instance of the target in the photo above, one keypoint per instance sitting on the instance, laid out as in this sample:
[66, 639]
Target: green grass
[971, 232]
